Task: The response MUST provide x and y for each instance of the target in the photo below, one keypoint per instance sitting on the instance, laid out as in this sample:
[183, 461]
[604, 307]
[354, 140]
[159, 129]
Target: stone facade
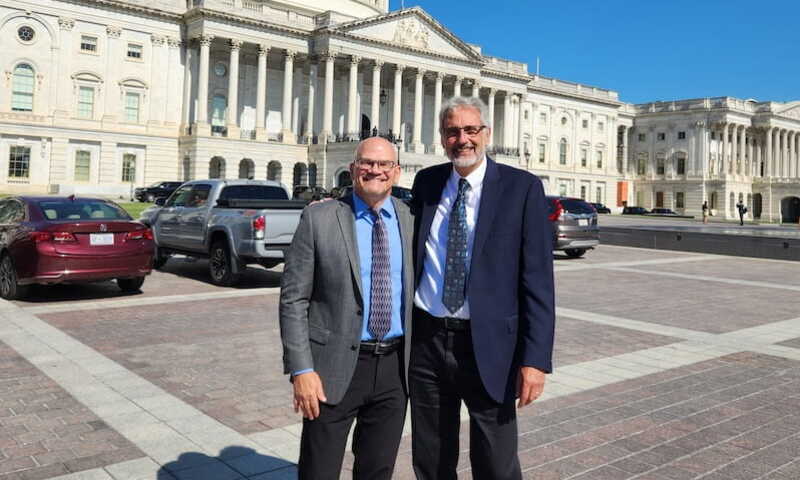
[106, 95]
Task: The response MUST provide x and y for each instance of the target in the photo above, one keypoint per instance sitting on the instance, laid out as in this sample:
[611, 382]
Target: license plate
[101, 239]
[583, 222]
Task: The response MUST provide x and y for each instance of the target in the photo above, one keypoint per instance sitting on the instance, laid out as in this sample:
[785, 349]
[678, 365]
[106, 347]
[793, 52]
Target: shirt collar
[362, 209]
[475, 178]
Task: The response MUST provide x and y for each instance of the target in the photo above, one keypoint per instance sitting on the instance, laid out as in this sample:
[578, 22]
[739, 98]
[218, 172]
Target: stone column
[312, 90]
[111, 108]
[492, 93]
[232, 118]
[352, 97]
[398, 103]
[437, 110]
[521, 131]
[327, 106]
[297, 95]
[172, 105]
[457, 87]
[476, 88]
[507, 124]
[723, 167]
[63, 102]
[751, 159]
[261, 93]
[419, 93]
[286, 110]
[768, 168]
[375, 112]
[203, 127]
[740, 163]
[782, 156]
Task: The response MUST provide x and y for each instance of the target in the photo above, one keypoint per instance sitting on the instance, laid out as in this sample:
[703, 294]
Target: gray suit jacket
[321, 305]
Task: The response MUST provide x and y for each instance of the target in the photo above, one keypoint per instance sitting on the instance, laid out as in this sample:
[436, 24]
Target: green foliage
[134, 208]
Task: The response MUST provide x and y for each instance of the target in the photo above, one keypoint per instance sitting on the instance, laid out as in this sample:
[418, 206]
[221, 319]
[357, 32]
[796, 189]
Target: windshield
[572, 205]
[253, 192]
[65, 210]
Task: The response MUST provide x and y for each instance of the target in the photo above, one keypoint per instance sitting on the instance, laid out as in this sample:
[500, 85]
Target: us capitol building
[101, 96]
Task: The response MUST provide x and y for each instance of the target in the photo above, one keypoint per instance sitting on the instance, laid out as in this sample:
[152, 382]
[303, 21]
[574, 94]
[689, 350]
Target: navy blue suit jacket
[510, 286]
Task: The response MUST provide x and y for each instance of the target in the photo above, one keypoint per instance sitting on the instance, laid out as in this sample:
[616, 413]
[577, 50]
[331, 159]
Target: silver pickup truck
[231, 222]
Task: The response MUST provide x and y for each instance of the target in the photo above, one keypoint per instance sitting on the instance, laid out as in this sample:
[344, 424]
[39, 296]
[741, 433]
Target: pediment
[790, 110]
[413, 29]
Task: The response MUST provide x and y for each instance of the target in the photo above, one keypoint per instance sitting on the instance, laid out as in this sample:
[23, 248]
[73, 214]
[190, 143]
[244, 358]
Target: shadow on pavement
[232, 462]
[75, 292]
[254, 276]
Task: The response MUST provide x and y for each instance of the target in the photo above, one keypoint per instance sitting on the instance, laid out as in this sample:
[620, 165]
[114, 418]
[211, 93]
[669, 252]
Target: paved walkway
[750, 229]
[669, 366]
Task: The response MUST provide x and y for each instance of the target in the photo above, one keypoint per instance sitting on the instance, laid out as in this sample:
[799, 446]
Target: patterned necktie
[380, 299]
[455, 268]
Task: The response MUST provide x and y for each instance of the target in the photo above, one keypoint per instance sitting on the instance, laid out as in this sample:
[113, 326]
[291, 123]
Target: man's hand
[530, 384]
[307, 394]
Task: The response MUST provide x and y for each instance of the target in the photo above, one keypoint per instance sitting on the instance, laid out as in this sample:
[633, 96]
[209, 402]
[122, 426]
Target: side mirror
[160, 201]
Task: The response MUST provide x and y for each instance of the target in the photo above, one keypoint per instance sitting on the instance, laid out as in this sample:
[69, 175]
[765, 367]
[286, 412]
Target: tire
[220, 263]
[575, 252]
[9, 288]
[128, 285]
[159, 258]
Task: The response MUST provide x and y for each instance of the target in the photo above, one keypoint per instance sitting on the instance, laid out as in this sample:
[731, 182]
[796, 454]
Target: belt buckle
[376, 350]
[448, 323]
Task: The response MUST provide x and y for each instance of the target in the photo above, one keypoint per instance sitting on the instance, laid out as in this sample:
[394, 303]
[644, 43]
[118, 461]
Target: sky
[647, 50]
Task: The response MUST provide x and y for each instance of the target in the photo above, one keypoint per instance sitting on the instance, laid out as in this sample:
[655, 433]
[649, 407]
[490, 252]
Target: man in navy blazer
[484, 311]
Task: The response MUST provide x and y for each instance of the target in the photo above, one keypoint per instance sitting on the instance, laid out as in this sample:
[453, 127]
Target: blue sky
[646, 50]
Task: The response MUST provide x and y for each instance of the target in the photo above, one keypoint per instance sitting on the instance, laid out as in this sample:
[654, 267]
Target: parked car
[48, 240]
[309, 194]
[156, 190]
[662, 211]
[600, 208]
[574, 223]
[634, 211]
[401, 193]
[233, 223]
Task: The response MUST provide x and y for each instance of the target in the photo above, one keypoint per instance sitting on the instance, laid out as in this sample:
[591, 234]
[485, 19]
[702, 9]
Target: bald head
[376, 148]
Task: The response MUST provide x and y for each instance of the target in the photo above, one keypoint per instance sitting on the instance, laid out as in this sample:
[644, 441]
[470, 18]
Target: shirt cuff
[300, 372]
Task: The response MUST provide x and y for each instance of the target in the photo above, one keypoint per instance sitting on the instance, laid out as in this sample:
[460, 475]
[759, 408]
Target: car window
[61, 210]
[253, 192]
[572, 205]
[199, 196]
[179, 197]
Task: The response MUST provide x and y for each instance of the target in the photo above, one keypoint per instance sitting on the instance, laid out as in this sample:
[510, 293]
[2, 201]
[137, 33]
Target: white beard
[466, 162]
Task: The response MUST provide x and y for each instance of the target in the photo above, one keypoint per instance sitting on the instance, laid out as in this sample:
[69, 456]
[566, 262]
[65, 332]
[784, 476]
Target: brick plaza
[669, 365]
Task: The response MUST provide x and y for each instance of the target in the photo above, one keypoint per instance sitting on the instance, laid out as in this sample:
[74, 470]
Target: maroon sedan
[48, 240]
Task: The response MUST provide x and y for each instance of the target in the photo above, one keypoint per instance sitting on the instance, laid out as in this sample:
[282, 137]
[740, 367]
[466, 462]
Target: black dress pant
[377, 402]
[442, 373]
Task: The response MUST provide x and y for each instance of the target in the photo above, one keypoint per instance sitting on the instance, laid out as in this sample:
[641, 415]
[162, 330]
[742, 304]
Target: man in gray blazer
[345, 310]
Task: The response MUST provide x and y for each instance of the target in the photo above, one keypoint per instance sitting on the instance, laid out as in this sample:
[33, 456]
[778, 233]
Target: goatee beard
[466, 162]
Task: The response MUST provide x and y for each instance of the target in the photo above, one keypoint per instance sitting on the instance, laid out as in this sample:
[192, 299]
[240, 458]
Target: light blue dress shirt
[363, 227]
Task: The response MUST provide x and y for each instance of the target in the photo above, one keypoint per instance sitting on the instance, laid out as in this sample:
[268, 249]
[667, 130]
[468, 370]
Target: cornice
[587, 98]
[196, 13]
[128, 7]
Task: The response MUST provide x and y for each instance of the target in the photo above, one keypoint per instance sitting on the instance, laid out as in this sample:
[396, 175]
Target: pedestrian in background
[705, 212]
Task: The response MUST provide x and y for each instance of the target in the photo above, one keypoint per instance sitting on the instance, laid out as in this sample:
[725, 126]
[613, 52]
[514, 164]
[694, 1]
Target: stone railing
[503, 65]
[554, 84]
[747, 106]
[257, 10]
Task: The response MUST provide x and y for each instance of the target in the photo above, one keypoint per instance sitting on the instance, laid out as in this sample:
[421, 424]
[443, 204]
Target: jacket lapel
[431, 199]
[347, 226]
[488, 209]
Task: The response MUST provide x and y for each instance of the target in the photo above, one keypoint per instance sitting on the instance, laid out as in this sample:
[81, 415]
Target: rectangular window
[599, 195]
[681, 166]
[659, 166]
[129, 167]
[542, 152]
[585, 123]
[543, 117]
[662, 136]
[584, 157]
[19, 162]
[88, 43]
[86, 102]
[132, 107]
[601, 126]
[83, 162]
[679, 201]
[134, 51]
[562, 189]
[681, 135]
[642, 137]
[562, 153]
[599, 159]
[713, 135]
[583, 192]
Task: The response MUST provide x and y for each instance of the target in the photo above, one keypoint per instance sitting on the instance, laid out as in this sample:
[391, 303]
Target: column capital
[205, 40]
[436, 75]
[158, 40]
[492, 91]
[328, 55]
[174, 42]
[458, 78]
[355, 59]
[420, 73]
[399, 68]
[113, 31]
[378, 64]
[263, 49]
[66, 23]
[290, 55]
[235, 44]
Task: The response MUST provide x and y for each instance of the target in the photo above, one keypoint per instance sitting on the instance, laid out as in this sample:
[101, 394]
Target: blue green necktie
[455, 268]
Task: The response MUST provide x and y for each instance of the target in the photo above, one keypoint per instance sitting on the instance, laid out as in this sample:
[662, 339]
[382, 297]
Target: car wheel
[575, 252]
[151, 198]
[130, 284]
[9, 288]
[159, 258]
[220, 265]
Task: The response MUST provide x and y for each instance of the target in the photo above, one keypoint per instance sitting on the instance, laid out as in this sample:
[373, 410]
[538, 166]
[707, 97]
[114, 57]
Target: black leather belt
[381, 348]
[445, 323]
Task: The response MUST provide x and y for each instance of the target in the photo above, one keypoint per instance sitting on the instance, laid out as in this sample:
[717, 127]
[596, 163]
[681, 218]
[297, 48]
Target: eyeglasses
[383, 165]
[469, 130]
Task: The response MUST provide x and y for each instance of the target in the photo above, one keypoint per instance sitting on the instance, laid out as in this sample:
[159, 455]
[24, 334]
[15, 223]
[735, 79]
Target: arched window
[312, 174]
[274, 170]
[22, 88]
[562, 151]
[300, 175]
[247, 169]
[344, 179]
[217, 168]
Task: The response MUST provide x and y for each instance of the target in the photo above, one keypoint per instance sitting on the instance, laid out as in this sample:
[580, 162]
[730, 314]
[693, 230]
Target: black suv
[156, 190]
[635, 211]
[600, 208]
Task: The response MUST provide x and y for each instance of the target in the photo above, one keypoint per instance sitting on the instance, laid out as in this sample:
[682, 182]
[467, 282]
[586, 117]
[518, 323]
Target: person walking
[345, 311]
[484, 303]
[742, 210]
[705, 211]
